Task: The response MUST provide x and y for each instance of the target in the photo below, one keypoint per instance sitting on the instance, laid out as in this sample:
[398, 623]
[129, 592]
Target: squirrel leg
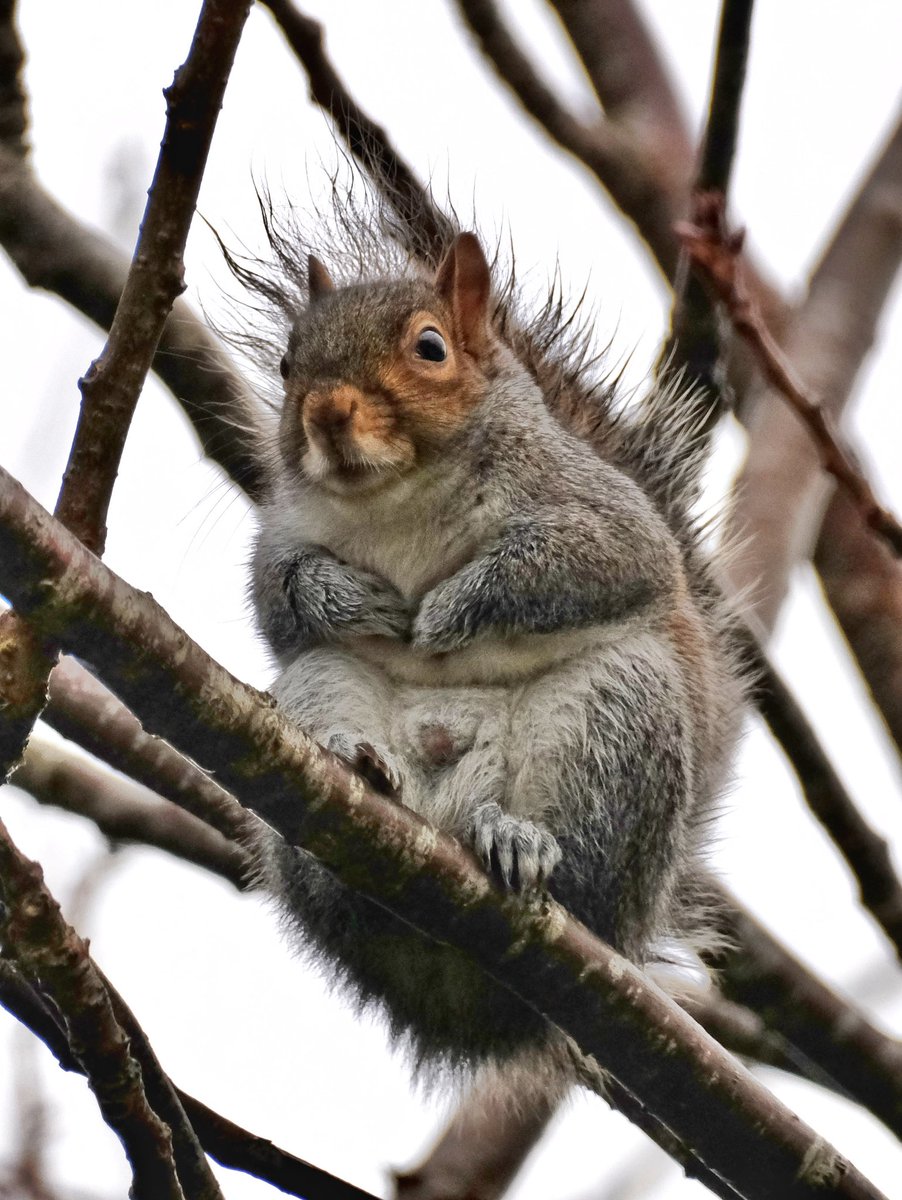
[345, 705]
[601, 753]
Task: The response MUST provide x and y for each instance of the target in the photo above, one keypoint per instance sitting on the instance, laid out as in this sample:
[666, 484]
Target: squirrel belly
[503, 622]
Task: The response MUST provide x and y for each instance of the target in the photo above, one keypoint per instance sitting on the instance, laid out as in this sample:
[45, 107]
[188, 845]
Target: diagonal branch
[614, 156]
[54, 251]
[113, 383]
[780, 494]
[704, 1100]
[86, 712]
[126, 812]
[428, 231]
[715, 254]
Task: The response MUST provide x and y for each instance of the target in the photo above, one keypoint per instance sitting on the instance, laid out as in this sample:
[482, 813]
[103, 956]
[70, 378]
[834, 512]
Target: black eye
[285, 366]
[431, 346]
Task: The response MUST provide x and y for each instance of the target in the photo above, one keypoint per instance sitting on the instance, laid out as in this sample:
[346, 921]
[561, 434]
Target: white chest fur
[413, 533]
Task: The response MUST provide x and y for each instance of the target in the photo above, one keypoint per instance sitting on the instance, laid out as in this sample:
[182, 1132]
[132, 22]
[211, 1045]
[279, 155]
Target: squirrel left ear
[464, 281]
[319, 281]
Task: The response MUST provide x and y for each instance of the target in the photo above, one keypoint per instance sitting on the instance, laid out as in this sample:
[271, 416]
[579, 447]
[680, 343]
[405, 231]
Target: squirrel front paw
[376, 764]
[434, 629]
[384, 610]
[518, 853]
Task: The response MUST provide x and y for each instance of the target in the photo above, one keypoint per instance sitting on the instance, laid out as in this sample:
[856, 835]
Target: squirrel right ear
[463, 279]
[319, 281]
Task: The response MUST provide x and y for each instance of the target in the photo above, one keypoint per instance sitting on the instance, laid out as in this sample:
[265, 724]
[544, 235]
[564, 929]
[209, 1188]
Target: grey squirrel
[485, 592]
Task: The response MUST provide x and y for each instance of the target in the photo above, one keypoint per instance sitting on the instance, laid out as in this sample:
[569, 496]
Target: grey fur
[521, 638]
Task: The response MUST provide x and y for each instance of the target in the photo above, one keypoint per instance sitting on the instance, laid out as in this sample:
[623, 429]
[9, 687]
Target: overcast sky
[236, 1020]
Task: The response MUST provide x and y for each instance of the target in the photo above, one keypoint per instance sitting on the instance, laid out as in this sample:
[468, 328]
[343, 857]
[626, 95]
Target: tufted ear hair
[319, 281]
[464, 281]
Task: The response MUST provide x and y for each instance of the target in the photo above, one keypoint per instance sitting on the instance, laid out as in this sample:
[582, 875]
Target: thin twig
[697, 1091]
[715, 253]
[865, 852]
[428, 231]
[695, 342]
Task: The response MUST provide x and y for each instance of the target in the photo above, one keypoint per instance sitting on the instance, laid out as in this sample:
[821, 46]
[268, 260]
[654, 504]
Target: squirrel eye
[431, 346]
[285, 366]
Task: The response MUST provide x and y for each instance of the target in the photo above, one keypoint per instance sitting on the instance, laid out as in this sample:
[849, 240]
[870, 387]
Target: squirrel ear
[319, 281]
[464, 281]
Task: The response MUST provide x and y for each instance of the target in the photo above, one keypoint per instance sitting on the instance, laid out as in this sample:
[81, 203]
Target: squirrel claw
[375, 765]
[518, 853]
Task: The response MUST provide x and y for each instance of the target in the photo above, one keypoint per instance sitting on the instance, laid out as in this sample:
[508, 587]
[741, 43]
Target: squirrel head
[380, 377]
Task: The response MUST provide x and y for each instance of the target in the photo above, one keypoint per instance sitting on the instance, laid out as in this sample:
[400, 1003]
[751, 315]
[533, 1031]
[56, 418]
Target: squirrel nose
[330, 411]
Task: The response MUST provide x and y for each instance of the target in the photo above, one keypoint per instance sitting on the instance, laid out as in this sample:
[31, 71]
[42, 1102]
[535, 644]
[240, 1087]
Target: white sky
[234, 1018]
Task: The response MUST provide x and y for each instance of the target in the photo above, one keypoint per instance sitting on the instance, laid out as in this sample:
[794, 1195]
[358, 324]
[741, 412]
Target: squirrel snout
[330, 411]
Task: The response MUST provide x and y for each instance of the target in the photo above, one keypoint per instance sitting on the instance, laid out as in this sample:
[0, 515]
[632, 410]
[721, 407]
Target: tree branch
[703, 1098]
[86, 712]
[781, 495]
[124, 811]
[863, 585]
[52, 250]
[427, 232]
[227, 1143]
[49, 950]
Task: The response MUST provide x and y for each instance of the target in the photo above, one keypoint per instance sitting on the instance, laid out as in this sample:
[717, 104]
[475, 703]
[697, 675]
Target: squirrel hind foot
[375, 764]
[518, 853]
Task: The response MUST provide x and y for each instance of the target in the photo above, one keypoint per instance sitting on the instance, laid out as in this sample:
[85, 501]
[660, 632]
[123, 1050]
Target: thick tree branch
[126, 812]
[712, 1106]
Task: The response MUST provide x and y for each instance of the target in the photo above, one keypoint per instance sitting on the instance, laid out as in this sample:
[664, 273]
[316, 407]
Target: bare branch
[482, 1149]
[428, 230]
[863, 585]
[52, 250]
[629, 77]
[49, 950]
[228, 1143]
[834, 1038]
[86, 712]
[111, 387]
[614, 156]
[124, 811]
[716, 254]
[717, 1112]
[865, 852]
[695, 341]
[780, 496]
